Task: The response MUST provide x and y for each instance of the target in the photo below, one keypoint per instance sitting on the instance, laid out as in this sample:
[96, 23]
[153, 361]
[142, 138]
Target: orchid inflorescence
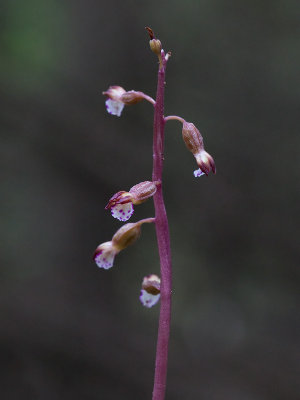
[122, 203]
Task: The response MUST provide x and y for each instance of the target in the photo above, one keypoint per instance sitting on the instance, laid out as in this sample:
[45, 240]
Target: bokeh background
[71, 331]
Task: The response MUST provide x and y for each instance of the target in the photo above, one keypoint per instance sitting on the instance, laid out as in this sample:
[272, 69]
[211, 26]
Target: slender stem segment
[146, 97]
[163, 239]
[170, 117]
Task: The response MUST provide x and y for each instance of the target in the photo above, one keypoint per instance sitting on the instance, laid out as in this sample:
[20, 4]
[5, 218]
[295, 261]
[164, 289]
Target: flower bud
[206, 162]
[192, 137]
[150, 292]
[155, 46]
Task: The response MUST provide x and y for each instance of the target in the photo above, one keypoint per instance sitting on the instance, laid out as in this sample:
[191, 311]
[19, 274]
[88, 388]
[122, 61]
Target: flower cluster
[122, 203]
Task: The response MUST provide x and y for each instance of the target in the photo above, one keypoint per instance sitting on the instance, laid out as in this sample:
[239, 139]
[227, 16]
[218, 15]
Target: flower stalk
[163, 239]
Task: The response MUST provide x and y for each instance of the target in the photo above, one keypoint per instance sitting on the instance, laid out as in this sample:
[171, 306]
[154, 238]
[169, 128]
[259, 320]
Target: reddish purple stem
[163, 239]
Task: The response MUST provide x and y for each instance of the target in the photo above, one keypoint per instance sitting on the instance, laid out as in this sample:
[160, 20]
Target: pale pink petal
[198, 173]
[114, 107]
[147, 299]
[122, 211]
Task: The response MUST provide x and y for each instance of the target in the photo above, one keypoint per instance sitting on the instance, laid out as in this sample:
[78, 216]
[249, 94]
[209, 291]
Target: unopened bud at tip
[155, 46]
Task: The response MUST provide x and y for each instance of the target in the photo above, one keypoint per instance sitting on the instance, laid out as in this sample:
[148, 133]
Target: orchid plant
[122, 205]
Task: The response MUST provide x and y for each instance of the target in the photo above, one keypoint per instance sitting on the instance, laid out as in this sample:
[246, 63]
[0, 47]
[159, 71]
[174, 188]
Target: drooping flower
[105, 253]
[117, 98]
[194, 142]
[150, 293]
[121, 203]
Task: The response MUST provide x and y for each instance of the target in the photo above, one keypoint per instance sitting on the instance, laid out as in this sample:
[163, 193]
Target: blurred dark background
[72, 331]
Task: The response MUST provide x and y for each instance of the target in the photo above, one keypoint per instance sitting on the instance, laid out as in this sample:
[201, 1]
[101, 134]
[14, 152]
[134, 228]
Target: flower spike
[150, 293]
[122, 204]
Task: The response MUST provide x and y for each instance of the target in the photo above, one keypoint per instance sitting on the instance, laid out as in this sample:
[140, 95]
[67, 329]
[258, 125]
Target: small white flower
[198, 173]
[114, 104]
[121, 203]
[122, 211]
[150, 293]
[104, 255]
[114, 107]
[147, 299]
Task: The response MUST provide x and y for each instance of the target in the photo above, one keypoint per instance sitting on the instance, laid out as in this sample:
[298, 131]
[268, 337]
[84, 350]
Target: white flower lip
[147, 299]
[114, 107]
[198, 173]
[105, 260]
[122, 211]
[104, 255]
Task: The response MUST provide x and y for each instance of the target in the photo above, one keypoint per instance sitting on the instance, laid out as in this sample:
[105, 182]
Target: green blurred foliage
[32, 42]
